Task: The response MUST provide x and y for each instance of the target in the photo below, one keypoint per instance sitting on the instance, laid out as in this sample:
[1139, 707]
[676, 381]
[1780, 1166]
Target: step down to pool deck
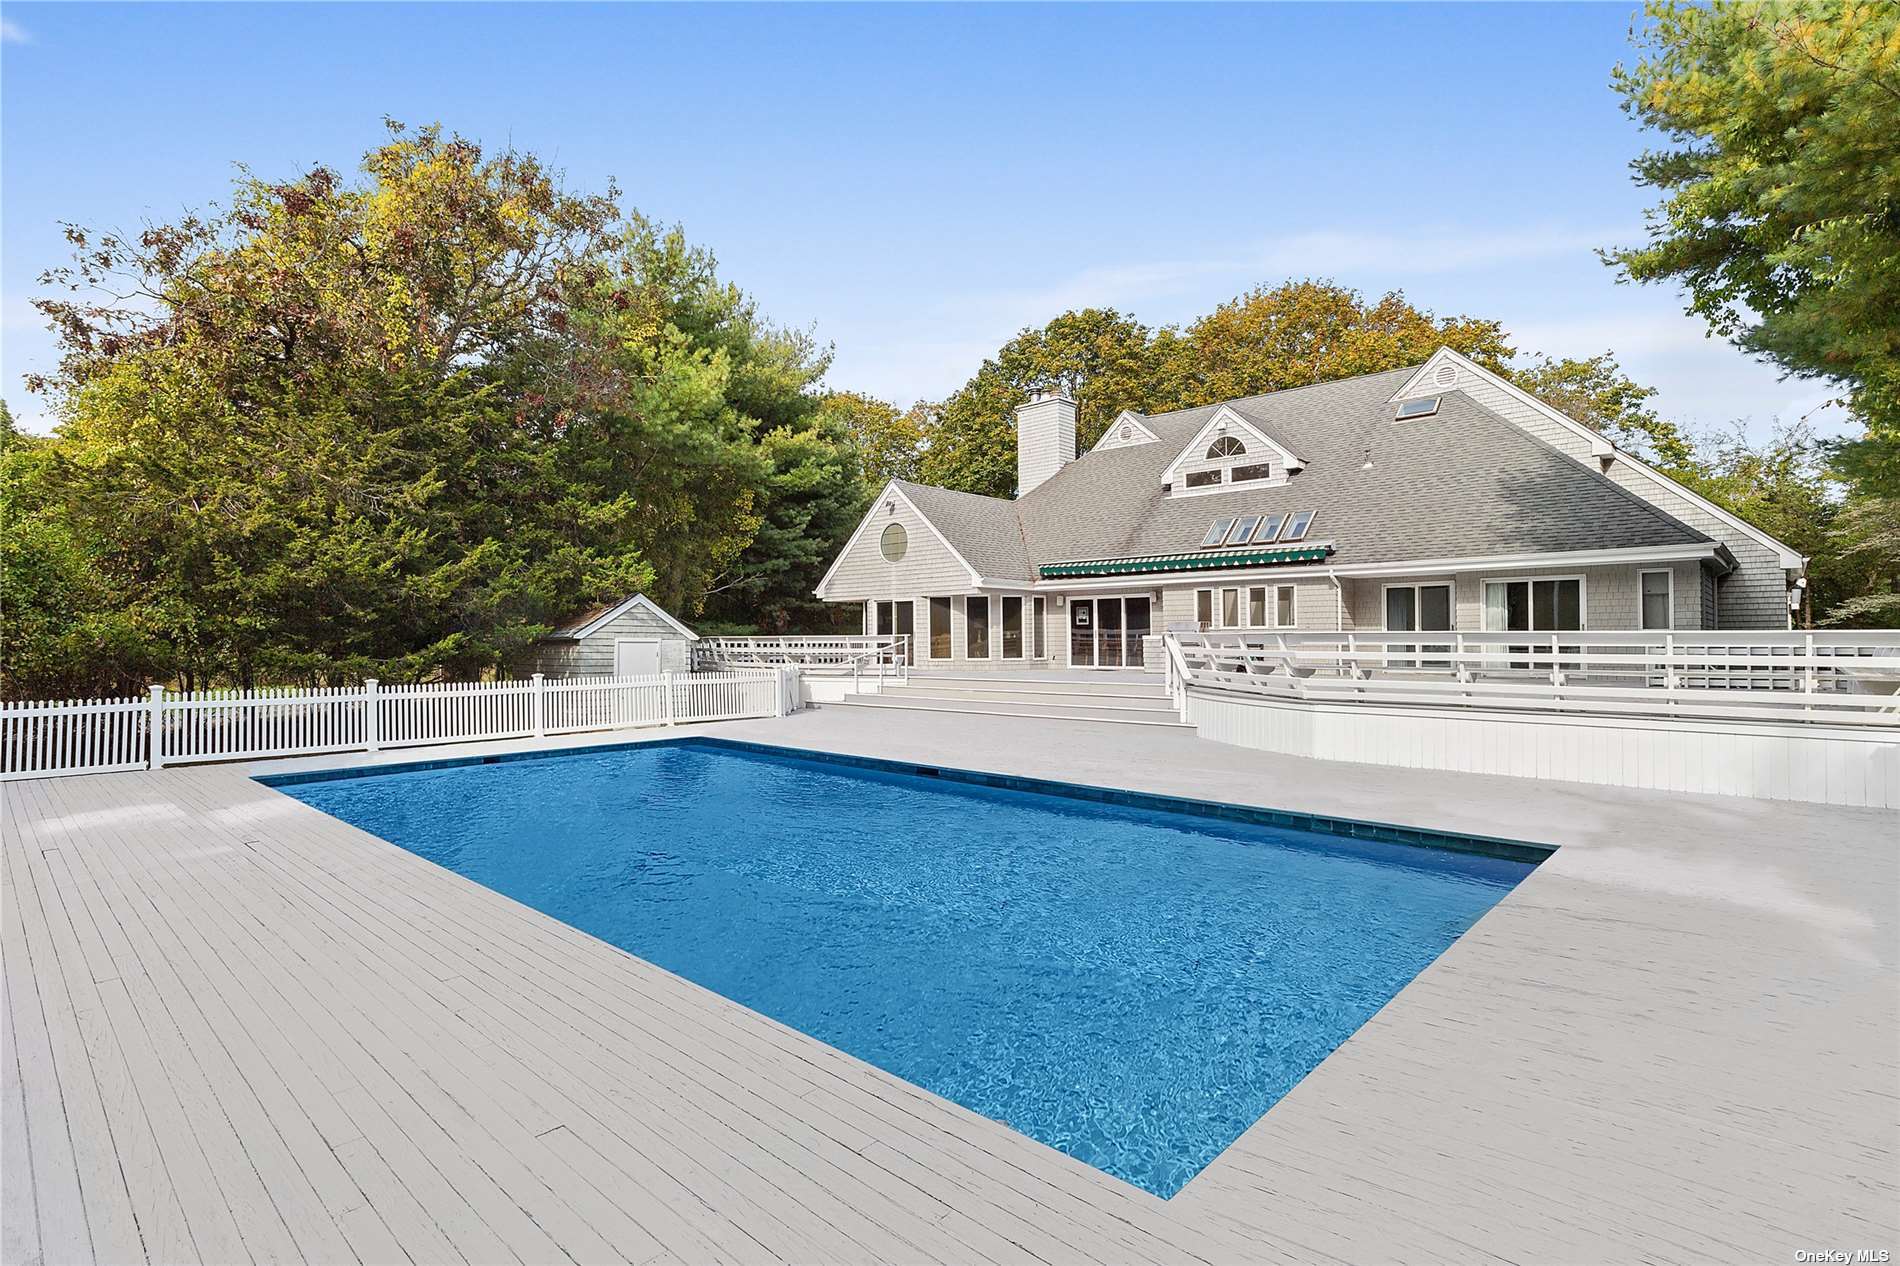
[1121, 700]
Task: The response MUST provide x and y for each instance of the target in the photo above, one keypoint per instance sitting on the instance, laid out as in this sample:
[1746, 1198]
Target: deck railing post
[539, 708]
[372, 715]
[666, 684]
[1808, 651]
[155, 728]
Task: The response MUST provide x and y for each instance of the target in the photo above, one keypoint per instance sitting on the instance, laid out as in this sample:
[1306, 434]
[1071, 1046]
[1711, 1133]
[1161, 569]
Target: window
[1036, 626]
[1258, 470]
[1230, 608]
[1225, 446]
[1243, 529]
[1204, 607]
[1257, 608]
[1417, 409]
[1269, 529]
[1554, 605]
[940, 628]
[1201, 478]
[1657, 589]
[893, 543]
[976, 628]
[1217, 533]
[1012, 628]
[894, 617]
[1417, 608]
[1283, 608]
[1297, 525]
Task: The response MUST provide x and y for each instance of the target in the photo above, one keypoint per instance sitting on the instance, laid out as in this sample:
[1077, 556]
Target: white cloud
[12, 32]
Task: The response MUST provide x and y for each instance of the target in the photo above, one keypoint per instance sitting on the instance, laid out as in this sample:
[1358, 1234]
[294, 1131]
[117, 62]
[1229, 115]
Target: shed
[629, 639]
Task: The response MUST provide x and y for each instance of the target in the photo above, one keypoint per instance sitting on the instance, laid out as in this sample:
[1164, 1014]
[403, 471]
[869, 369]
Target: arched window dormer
[1225, 446]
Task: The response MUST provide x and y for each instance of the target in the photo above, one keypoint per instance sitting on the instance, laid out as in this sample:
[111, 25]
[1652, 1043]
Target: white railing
[43, 739]
[885, 655]
[1835, 678]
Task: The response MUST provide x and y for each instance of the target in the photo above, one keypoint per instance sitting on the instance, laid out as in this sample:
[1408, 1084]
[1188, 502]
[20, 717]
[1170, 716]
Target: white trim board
[1223, 419]
[640, 600]
[890, 489]
[1127, 417]
[1420, 384]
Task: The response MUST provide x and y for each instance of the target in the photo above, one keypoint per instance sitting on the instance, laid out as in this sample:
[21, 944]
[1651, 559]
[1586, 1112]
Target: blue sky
[917, 183]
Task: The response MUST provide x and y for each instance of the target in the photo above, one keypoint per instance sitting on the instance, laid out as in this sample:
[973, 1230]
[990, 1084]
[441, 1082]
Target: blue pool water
[1134, 987]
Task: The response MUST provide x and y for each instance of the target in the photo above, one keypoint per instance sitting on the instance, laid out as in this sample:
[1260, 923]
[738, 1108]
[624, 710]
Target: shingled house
[1437, 497]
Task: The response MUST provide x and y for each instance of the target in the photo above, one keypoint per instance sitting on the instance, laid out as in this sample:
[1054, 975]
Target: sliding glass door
[1420, 609]
[1109, 632]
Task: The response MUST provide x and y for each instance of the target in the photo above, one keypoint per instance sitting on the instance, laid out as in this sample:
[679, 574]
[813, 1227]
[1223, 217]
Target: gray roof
[985, 530]
[1462, 483]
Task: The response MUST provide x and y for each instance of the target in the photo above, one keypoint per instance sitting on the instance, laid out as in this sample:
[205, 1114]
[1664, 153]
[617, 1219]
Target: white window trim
[1669, 600]
[929, 643]
[1583, 600]
[1023, 643]
[1417, 604]
[989, 628]
[1227, 420]
[1245, 606]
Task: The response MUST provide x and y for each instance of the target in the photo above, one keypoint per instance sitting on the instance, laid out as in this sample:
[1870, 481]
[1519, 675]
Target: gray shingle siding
[593, 656]
[1487, 476]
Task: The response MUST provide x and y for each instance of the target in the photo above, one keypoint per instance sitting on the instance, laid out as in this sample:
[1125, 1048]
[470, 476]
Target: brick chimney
[1045, 437]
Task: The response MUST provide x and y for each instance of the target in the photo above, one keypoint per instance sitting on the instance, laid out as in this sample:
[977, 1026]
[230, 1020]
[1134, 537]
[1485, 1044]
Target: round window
[894, 542]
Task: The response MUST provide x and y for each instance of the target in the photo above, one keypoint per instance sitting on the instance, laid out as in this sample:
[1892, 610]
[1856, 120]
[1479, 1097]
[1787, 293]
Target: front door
[636, 657]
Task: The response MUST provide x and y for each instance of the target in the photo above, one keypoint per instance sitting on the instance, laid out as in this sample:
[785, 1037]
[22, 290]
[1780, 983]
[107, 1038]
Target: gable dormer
[1128, 430]
[1228, 452]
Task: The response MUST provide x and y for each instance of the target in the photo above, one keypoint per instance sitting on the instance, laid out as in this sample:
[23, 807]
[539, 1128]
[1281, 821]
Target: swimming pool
[1133, 983]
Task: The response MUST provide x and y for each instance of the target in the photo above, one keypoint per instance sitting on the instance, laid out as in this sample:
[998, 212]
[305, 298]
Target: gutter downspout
[1339, 601]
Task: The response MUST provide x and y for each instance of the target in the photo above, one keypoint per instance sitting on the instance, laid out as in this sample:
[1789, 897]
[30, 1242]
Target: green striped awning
[1208, 560]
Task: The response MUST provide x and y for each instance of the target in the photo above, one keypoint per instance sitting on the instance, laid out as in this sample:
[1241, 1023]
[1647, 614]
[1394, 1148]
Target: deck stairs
[1120, 698]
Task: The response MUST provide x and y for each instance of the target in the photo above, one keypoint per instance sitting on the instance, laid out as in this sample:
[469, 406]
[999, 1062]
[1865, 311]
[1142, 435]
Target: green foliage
[396, 427]
[1599, 394]
[1779, 188]
[889, 442]
[1107, 361]
[1270, 338]
[1303, 332]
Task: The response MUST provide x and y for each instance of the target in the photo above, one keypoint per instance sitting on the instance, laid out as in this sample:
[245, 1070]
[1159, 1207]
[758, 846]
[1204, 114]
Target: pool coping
[1523, 851]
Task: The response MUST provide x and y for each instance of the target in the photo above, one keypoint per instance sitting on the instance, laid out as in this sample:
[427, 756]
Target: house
[634, 638]
[1436, 497]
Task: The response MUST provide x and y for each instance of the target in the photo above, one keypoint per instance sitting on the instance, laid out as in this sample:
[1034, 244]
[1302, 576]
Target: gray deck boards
[238, 1030]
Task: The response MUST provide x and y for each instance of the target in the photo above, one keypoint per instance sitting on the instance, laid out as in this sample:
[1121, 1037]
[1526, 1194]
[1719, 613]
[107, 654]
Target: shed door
[636, 657]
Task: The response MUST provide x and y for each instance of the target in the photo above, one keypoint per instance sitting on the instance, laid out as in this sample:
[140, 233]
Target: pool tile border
[1349, 828]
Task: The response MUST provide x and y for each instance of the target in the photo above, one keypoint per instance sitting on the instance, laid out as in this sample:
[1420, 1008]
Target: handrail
[840, 655]
[1839, 678]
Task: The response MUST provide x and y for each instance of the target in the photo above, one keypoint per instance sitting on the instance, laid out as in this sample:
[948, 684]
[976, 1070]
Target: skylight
[1297, 525]
[1410, 409]
[1243, 529]
[1217, 533]
[1269, 529]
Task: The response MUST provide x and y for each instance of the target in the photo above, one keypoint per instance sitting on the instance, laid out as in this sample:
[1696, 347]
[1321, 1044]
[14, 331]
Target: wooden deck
[239, 1030]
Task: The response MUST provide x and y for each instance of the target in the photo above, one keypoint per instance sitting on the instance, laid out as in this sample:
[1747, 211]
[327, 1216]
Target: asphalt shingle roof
[1462, 483]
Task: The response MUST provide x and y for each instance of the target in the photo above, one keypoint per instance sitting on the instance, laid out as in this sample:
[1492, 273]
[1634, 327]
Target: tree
[889, 442]
[1106, 360]
[396, 426]
[1597, 393]
[1303, 332]
[1779, 184]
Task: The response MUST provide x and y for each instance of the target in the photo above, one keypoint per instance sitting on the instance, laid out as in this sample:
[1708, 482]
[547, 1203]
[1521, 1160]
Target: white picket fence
[95, 736]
